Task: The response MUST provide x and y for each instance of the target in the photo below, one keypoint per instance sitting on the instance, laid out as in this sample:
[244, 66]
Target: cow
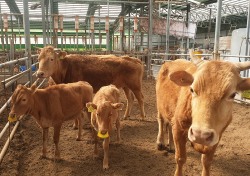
[99, 70]
[105, 111]
[52, 106]
[195, 99]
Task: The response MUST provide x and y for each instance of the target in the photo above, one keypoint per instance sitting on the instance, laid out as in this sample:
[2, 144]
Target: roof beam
[127, 9]
[91, 11]
[14, 9]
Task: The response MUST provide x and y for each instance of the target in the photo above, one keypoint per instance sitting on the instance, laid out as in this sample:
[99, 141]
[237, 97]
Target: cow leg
[56, 137]
[170, 138]
[130, 100]
[180, 139]
[75, 124]
[106, 153]
[206, 160]
[45, 140]
[140, 100]
[118, 129]
[80, 121]
[95, 142]
[160, 137]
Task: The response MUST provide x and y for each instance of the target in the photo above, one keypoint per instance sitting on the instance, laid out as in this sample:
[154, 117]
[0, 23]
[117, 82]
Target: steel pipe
[4, 150]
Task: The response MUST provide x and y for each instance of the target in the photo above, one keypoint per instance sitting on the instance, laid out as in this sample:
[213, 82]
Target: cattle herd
[194, 100]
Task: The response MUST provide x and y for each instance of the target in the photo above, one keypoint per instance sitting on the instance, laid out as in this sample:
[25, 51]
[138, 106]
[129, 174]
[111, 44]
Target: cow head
[22, 101]
[48, 61]
[101, 116]
[213, 87]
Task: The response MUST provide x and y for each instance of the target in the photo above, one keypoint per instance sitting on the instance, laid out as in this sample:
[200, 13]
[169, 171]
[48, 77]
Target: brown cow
[52, 106]
[99, 70]
[105, 107]
[197, 99]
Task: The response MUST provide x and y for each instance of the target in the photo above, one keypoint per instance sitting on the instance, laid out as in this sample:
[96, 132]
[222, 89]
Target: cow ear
[244, 85]
[91, 107]
[61, 54]
[20, 86]
[118, 106]
[181, 78]
[33, 88]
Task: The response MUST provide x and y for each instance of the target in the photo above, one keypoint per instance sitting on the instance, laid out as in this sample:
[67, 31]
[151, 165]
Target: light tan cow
[52, 106]
[99, 70]
[197, 99]
[105, 111]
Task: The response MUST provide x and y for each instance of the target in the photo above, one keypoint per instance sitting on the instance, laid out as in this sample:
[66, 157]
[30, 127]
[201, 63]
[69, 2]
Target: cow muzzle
[206, 137]
[40, 74]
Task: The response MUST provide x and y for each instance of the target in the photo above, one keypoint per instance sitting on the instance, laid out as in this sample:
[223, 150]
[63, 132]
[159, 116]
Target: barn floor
[135, 155]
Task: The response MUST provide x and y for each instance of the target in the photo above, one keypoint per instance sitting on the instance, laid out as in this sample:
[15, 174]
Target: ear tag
[61, 57]
[91, 109]
[12, 118]
[103, 136]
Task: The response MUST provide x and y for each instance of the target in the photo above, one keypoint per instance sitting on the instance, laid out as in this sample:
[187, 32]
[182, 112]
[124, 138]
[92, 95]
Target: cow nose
[204, 137]
[40, 74]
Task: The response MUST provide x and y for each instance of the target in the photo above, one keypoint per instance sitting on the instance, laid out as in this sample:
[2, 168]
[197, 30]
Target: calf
[105, 111]
[197, 99]
[52, 106]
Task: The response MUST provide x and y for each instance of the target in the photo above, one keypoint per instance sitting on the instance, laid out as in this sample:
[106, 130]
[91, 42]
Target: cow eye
[51, 59]
[191, 90]
[233, 95]
[23, 99]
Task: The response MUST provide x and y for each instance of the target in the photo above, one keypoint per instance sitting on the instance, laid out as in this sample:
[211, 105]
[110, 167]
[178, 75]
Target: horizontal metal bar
[4, 150]
[86, 16]
[5, 105]
[16, 61]
[15, 76]
[169, 54]
[4, 129]
[12, 62]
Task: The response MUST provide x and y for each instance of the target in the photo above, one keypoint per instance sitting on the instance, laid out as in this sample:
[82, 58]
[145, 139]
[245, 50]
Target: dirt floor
[135, 155]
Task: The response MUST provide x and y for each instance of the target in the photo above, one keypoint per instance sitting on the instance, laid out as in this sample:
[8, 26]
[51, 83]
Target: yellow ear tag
[91, 109]
[12, 118]
[61, 57]
[103, 136]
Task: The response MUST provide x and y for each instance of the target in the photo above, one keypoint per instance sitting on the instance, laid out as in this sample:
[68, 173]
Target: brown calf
[196, 99]
[52, 106]
[105, 111]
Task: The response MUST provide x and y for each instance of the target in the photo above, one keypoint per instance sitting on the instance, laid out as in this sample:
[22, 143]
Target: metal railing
[8, 82]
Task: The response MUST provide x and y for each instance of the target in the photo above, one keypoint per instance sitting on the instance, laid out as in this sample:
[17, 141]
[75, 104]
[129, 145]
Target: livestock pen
[153, 31]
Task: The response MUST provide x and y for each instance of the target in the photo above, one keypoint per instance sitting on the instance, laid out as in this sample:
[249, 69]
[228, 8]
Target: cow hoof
[126, 117]
[161, 147]
[105, 167]
[170, 150]
[75, 128]
[57, 160]
[43, 157]
[78, 139]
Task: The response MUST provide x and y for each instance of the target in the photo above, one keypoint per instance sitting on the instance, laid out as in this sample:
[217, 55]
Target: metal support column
[246, 72]
[2, 34]
[187, 23]
[43, 22]
[129, 28]
[167, 29]
[216, 54]
[150, 35]
[26, 24]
